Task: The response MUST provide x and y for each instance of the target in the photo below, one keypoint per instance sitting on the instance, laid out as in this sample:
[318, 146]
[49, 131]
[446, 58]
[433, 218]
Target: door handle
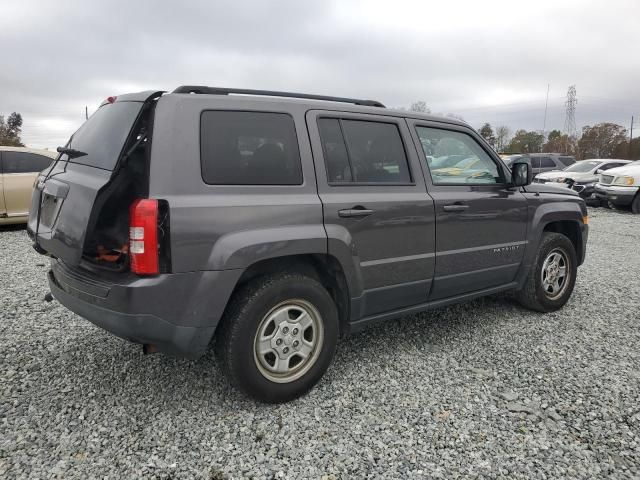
[354, 212]
[456, 207]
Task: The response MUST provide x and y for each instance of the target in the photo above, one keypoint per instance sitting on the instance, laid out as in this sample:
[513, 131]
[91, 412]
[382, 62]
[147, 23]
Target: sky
[486, 61]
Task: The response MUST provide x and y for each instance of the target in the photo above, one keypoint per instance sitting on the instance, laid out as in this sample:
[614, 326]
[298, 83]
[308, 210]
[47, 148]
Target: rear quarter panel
[222, 227]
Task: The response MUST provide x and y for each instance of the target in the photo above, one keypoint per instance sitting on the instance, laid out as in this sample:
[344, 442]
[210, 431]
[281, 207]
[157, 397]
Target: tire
[635, 204]
[535, 295]
[285, 315]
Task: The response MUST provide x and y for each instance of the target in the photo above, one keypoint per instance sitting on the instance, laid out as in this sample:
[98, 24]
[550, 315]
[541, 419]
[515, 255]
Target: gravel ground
[481, 390]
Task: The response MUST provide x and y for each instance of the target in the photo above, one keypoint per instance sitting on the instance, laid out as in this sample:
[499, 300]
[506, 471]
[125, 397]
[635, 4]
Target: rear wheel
[552, 276]
[278, 336]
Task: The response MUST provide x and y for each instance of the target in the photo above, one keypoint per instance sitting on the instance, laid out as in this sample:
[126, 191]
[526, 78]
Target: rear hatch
[91, 188]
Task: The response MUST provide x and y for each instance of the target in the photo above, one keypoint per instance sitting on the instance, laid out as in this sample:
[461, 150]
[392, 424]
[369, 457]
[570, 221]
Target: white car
[620, 187]
[582, 176]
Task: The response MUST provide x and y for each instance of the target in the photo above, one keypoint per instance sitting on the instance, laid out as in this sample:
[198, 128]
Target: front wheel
[552, 277]
[278, 336]
[635, 205]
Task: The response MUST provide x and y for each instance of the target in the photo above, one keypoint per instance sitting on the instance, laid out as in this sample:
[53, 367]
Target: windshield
[104, 134]
[583, 166]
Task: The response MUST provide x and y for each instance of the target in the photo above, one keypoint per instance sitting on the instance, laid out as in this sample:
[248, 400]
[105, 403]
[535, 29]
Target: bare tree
[455, 116]
[420, 106]
[502, 137]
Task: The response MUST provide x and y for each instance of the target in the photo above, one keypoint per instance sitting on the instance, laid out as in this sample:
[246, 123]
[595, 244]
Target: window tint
[249, 148]
[607, 166]
[567, 160]
[363, 152]
[23, 162]
[334, 150]
[582, 166]
[455, 157]
[546, 162]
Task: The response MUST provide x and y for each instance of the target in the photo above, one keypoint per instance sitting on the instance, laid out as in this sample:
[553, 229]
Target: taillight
[143, 237]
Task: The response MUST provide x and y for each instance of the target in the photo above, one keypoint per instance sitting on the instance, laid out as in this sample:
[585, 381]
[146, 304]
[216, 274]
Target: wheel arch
[571, 229]
[324, 268]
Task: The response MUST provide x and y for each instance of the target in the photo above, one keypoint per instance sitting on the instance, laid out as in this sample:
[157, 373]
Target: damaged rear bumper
[177, 313]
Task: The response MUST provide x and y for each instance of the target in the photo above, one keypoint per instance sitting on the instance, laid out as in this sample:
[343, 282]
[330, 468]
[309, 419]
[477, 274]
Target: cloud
[487, 61]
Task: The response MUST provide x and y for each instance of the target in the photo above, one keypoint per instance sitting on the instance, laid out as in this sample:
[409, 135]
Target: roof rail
[268, 93]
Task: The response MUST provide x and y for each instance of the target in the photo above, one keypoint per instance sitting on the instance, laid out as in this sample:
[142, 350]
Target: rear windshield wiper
[70, 152]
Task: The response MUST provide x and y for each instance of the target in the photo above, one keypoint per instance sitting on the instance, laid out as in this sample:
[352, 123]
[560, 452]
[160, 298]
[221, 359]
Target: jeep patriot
[272, 223]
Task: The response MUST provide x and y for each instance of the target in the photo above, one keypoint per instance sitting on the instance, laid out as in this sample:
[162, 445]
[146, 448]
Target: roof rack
[269, 93]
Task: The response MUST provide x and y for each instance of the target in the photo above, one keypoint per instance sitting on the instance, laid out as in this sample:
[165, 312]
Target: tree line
[603, 140]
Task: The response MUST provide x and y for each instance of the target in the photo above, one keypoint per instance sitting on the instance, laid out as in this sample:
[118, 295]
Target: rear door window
[567, 160]
[546, 162]
[362, 151]
[249, 148]
[24, 162]
[335, 151]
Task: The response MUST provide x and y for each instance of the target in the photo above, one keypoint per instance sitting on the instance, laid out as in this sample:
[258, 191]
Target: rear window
[102, 137]
[567, 160]
[249, 148]
[23, 162]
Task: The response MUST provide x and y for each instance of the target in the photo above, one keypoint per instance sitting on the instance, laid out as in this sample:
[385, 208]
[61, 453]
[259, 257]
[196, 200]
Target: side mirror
[521, 174]
[599, 171]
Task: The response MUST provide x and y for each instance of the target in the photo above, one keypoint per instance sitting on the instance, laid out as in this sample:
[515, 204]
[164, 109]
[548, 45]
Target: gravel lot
[484, 389]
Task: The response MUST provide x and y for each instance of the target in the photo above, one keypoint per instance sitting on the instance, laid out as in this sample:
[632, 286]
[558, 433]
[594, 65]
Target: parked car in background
[582, 176]
[542, 162]
[620, 187]
[19, 168]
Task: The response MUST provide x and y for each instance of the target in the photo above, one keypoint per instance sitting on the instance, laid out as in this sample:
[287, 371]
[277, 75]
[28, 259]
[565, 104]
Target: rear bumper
[178, 313]
[620, 196]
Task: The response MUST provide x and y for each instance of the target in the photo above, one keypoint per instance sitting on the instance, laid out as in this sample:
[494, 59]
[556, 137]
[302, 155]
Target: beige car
[19, 168]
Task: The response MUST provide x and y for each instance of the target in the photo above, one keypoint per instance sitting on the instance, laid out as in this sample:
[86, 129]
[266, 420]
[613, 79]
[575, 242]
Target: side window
[358, 151]
[535, 162]
[546, 162]
[456, 158]
[249, 148]
[24, 162]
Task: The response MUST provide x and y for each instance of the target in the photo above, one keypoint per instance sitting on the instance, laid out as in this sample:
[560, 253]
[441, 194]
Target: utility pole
[86, 112]
[631, 140]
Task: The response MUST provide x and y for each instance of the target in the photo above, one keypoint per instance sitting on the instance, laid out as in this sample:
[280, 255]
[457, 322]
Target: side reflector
[143, 236]
[585, 219]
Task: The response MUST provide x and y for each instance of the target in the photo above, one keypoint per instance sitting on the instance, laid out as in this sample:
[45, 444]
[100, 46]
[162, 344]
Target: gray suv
[271, 223]
[543, 162]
